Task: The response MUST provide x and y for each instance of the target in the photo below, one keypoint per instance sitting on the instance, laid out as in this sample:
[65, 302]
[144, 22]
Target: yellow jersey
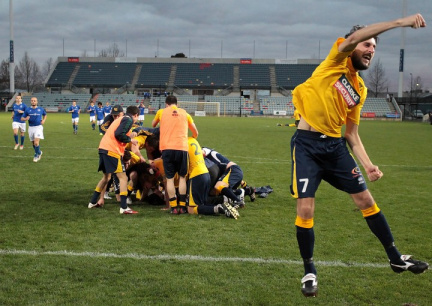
[141, 142]
[333, 93]
[196, 159]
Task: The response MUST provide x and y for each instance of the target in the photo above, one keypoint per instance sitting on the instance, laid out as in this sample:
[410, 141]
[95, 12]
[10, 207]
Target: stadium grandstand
[258, 87]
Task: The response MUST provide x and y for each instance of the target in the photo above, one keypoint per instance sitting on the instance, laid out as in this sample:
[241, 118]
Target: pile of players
[210, 184]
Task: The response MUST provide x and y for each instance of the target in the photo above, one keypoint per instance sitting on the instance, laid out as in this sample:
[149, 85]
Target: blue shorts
[175, 161]
[317, 157]
[198, 190]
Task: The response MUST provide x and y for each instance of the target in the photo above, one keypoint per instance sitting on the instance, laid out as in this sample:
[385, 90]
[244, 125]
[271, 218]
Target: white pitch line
[191, 258]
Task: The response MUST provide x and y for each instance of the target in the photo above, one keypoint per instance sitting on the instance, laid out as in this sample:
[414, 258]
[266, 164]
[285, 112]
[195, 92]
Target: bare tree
[4, 74]
[417, 86]
[376, 79]
[112, 51]
[28, 73]
[48, 65]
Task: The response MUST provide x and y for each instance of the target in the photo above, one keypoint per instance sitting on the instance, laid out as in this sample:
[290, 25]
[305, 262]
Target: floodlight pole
[240, 106]
[411, 89]
[402, 52]
[11, 47]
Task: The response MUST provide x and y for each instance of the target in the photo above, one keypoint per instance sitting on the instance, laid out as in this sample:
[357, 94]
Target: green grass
[56, 251]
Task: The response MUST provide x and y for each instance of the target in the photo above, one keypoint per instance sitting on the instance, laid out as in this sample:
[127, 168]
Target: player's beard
[356, 59]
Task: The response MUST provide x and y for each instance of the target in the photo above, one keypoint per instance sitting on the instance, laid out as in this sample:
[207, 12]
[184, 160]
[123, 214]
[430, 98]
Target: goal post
[200, 108]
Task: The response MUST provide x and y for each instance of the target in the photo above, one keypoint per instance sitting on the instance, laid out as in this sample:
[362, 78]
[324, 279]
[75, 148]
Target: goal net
[200, 108]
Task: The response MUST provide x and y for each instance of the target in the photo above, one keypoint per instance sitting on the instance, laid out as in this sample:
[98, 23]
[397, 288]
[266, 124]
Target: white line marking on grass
[192, 258]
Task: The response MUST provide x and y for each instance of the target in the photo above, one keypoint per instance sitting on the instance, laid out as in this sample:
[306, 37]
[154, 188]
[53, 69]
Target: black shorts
[175, 161]
[317, 157]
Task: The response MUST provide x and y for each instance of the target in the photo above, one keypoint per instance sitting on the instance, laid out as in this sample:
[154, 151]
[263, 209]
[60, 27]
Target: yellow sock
[305, 223]
[370, 211]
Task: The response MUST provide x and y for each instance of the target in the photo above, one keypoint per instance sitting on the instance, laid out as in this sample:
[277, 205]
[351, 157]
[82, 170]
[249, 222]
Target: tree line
[29, 75]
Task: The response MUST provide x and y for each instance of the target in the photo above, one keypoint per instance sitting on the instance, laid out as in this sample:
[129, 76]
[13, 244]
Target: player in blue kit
[17, 125]
[100, 116]
[36, 117]
[141, 114]
[107, 109]
[92, 110]
[75, 110]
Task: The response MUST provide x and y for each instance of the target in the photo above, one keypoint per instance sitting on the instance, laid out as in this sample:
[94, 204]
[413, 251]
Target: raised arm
[414, 21]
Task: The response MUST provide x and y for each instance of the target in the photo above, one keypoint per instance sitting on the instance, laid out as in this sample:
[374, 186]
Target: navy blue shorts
[109, 163]
[232, 176]
[175, 161]
[198, 190]
[317, 157]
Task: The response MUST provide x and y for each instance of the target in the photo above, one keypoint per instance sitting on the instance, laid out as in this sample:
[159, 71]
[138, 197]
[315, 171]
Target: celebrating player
[331, 97]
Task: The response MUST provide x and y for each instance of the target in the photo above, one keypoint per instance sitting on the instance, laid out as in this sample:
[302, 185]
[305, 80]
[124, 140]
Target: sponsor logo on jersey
[347, 91]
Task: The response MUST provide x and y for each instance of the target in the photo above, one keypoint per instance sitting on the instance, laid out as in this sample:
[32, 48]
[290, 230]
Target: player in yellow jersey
[198, 185]
[145, 140]
[332, 97]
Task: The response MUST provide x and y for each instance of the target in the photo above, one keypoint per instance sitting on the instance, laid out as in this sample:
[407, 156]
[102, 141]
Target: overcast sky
[272, 29]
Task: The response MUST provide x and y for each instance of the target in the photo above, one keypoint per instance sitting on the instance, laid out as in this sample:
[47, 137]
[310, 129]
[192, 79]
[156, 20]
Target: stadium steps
[136, 75]
[172, 78]
[236, 82]
[73, 75]
[273, 83]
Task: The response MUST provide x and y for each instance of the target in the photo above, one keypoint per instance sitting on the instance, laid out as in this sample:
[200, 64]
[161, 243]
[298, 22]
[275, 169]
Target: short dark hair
[356, 28]
[171, 100]
[99, 103]
[153, 141]
[132, 110]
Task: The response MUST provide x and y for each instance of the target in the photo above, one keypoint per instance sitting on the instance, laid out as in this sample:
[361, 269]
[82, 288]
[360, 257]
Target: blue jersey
[17, 115]
[142, 109]
[36, 115]
[75, 111]
[100, 113]
[107, 109]
[217, 158]
[92, 110]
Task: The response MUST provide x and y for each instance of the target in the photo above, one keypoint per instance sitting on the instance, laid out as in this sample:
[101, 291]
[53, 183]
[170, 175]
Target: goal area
[200, 108]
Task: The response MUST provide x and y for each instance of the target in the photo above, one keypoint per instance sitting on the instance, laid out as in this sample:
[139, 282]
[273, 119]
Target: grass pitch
[56, 251]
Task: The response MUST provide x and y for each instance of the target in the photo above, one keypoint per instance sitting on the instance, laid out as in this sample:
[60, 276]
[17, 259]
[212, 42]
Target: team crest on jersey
[356, 172]
[347, 91]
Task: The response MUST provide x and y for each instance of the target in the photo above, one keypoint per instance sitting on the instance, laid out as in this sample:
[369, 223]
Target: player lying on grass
[231, 177]
[199, 184]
